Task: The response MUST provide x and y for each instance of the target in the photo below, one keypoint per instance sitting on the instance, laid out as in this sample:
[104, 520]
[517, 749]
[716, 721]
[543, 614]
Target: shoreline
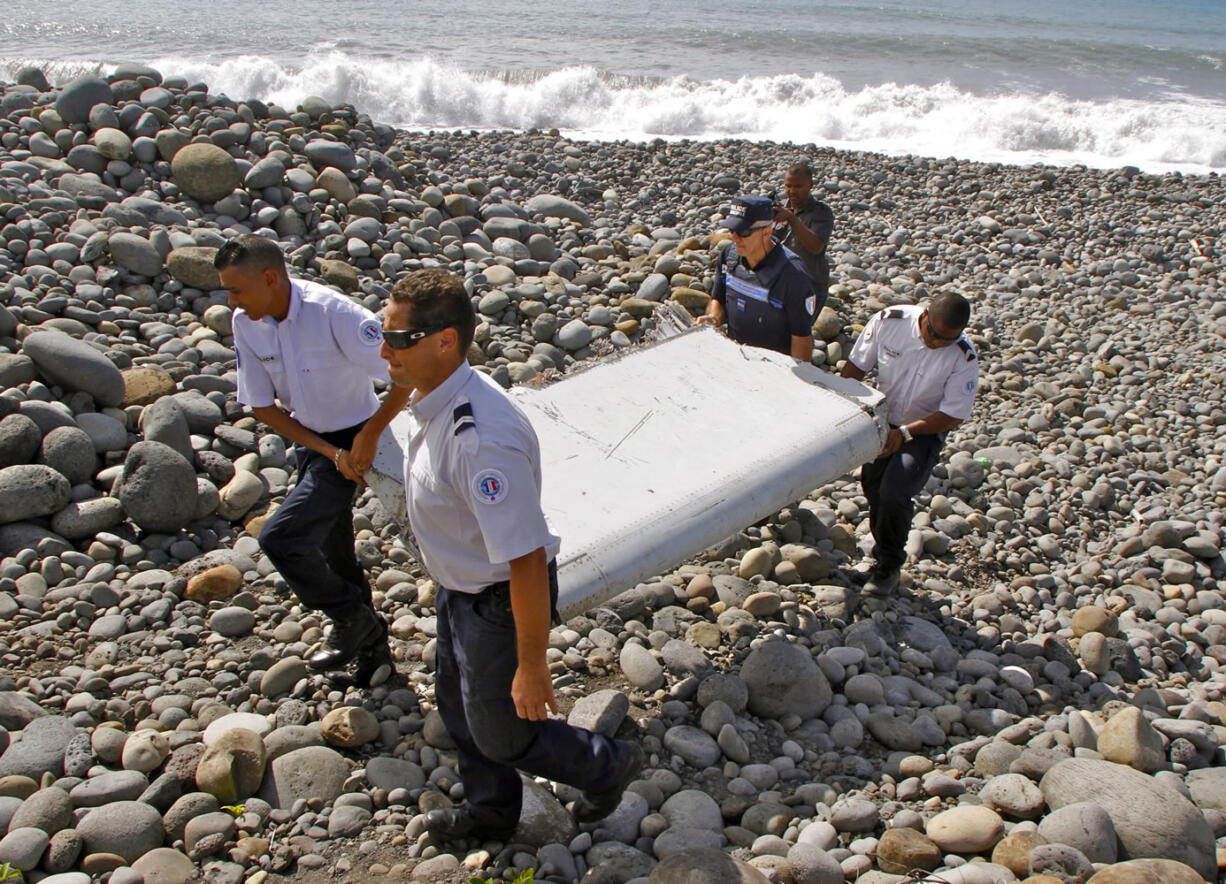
[1065, 625]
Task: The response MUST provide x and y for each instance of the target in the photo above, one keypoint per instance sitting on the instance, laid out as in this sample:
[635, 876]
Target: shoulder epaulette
[967, 348]
[462, 419]
[895, 313]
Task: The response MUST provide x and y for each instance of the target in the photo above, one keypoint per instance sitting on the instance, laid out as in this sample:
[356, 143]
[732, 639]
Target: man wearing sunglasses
[472, 482]
[760, 286]
[928, 371]
[316, 353]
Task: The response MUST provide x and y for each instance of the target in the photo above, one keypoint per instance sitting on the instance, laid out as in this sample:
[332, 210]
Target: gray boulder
[704, 865]
[75, 365]
[601, 712]
[31, 490]
[135, 253]
[783, 679]
[553, 206]
[40, 750]
[129, 829]
[1150, 819]
[542, 819]
[106, 433]
[157, 488]
[164, 421]
[314, 771]
[19, 440]
[193, 266]
[205, 172]
[331, 153]
[85, 518]
[77, 98]
[70, 452]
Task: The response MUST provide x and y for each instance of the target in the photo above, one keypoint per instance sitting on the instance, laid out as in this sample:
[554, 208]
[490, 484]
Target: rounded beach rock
[205, 172]
[75, 365]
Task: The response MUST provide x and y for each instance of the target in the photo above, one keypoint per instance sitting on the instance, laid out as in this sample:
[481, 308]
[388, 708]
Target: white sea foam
[941, 120]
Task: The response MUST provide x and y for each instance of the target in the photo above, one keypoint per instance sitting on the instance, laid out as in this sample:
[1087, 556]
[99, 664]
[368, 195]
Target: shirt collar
[429, 406]
[295, 300]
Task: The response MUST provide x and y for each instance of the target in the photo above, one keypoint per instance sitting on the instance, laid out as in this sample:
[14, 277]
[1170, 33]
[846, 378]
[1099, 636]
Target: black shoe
[882, 582]
[457, 824]
[375, 662]
[592, 806]
[353, 630]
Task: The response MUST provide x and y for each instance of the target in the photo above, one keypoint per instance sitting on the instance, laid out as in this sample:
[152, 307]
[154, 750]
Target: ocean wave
[937, 120]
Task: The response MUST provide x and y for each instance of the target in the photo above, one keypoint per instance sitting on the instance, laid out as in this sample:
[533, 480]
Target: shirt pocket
[319, 362]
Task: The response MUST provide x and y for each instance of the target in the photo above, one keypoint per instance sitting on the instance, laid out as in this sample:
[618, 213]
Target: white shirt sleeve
[359, 335]
[500, 488]
[255, 387]
[863, 353]
[958, 396]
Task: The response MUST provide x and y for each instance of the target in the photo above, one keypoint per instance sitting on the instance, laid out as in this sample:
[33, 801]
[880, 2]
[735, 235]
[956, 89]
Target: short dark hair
[438, 300]
[802, 169]
[951, 310]
[252, 252]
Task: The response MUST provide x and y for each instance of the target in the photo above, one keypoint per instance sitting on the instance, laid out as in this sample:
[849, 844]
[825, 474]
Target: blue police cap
[747, 212]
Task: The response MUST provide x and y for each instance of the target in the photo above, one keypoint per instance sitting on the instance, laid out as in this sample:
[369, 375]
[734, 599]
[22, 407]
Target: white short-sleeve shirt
[472, 479]
[318, 361]
[916, 379]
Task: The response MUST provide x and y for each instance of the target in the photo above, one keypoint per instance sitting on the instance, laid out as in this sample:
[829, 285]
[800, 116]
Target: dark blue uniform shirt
[768, 304]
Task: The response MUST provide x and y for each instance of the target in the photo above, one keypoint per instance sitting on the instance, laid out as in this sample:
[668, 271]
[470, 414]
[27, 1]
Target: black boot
[375, 664]
[353, 629]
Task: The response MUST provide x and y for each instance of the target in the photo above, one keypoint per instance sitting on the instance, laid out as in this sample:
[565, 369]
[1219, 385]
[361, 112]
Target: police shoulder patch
[489, 486]
[370, 332]
[462, 418]
[811, 304]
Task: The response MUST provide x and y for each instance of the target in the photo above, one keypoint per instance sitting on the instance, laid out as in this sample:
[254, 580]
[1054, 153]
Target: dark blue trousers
[475, 663]
[310, 537]
[890, 484]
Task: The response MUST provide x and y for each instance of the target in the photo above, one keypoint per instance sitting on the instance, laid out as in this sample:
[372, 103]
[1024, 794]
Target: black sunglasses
[405, 338]
[932, 332]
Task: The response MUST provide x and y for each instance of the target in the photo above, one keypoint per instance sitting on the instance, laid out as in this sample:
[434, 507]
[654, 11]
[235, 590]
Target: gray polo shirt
[819, 218]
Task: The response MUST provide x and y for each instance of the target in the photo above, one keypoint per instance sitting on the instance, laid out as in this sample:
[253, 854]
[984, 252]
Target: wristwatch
[906, 433]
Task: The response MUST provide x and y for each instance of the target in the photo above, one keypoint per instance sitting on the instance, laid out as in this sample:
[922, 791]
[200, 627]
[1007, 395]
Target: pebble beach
[1046, 703]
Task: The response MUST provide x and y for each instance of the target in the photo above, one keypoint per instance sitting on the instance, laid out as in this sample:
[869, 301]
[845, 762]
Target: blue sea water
[1100, 82]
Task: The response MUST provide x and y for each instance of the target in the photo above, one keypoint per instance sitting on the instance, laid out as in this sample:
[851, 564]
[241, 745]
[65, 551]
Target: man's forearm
[806, 236]
[280, 421]
[937, 422]
[530, 605]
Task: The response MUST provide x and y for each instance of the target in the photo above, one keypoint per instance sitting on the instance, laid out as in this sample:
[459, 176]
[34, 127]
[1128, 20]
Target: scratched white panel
[651, 458]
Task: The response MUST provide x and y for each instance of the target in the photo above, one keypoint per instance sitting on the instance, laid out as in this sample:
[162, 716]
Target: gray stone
[157, 488]
[19, 440]
[205, 172]
[315, 771]
[542, 819]
[1085, 826]
[193, 266]
[573, 336]
[331, 153]
[553, 206]
[48, 809]
[1150, 819]
[692, 809]
[77, 98]
[1060, 861]
[638, 665]
[704, 865]
[77, 521]
[602, 712]
[120, 785]
[40, 750]
[75, 365]
[70, 452]
[135, 253]
[695, 746]
[17, 710]
[783, 679]
[129, 829]
[22, 848]
[1208, 788]
[384, 772]
[1013, 795]
[106, 433]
